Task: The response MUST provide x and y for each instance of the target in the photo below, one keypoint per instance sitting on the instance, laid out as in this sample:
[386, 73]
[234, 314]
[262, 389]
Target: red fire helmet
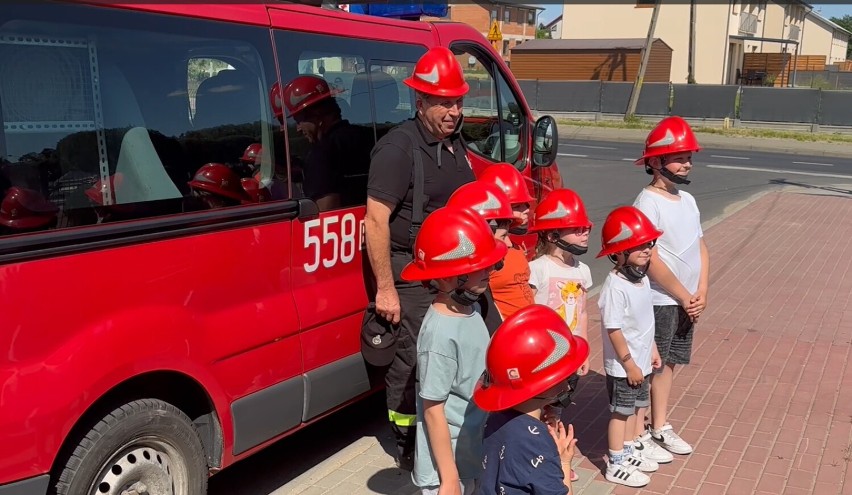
[532, 351]
[484, 198]
[507, 178]
[671, 135]
[438, 73]
[560, 209]
[625, 228]
[453, 242]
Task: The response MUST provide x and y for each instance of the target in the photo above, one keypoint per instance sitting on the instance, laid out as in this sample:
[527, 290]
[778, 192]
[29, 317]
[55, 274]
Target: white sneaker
[641, 463]
[650, 450]
[669, 440]
[627, 475]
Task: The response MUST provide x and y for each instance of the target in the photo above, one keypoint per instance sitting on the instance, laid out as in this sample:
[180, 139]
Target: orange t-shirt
[511, 285]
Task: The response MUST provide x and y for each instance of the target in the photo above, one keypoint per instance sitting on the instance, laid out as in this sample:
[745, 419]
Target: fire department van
[171, 302]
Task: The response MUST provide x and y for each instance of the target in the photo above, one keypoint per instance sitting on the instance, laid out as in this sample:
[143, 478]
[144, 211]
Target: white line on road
[628, 159]
[731, 157]
[590, 146]
[571, 154]
[815, 163]
[780, 171]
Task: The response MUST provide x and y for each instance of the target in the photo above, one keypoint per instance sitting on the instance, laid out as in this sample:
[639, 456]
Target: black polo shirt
[391, 176]
[338, 164]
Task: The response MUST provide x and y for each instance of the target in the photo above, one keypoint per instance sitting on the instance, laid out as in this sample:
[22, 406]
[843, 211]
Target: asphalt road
[603, 174]
[605, 177]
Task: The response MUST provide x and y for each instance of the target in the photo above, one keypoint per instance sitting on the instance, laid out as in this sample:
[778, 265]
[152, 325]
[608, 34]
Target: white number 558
[337, 232]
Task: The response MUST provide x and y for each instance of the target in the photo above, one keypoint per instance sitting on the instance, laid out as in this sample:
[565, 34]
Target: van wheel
[145, 447]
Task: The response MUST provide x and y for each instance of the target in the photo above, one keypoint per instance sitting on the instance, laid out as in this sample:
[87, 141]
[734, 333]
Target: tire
[147, 445]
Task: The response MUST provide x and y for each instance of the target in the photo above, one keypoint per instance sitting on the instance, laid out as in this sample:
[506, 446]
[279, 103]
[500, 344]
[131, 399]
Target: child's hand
[634, 375]
[564, 439]
[584, 368]
[697, 304]
[656, 360]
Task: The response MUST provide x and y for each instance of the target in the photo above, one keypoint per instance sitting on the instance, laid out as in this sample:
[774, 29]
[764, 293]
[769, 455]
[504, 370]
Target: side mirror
[545, 142]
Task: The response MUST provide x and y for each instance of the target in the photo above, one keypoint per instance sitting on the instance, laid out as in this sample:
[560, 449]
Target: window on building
[493, 15]
[507, 16]
[531, 17]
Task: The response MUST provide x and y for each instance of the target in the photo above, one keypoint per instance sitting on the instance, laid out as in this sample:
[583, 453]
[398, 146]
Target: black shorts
[673, 335]
[624, 399]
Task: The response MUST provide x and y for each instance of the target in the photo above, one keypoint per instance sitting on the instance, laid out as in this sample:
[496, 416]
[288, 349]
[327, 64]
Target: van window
[110, 116]
[330, 141]
[494, 121]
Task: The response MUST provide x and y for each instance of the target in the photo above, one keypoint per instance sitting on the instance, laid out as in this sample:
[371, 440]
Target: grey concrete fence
[707, 101]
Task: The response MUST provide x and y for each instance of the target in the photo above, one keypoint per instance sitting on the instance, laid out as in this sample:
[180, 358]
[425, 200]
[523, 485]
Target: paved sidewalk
[767, 401]
[710, 140]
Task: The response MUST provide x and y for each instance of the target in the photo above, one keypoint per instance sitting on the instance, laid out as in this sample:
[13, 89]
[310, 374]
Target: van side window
[110, 116]
[340, 96]
[493, 119]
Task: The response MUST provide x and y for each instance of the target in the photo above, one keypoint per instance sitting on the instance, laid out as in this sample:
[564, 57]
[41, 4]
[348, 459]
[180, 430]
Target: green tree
[542, 33]
[846, 23]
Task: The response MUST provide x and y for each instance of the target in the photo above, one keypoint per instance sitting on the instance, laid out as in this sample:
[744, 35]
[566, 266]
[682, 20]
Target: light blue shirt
[450, 361]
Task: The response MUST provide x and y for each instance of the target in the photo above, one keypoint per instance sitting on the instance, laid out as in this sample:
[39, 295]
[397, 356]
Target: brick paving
[767, 401]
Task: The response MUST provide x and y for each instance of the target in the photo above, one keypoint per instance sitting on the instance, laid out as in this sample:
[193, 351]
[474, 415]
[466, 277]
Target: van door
[330, 162]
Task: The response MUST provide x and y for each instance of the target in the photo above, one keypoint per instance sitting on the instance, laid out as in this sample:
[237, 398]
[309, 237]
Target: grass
[637, 123]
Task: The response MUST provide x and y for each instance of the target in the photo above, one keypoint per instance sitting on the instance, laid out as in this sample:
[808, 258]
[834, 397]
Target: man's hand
[387, 305]
[634, 374]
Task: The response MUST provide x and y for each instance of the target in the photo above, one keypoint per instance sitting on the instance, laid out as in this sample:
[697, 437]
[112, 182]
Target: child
[509, 286]
[679, 264]
[529, 359]
[493, 205]
[455, 253]
[627, 325]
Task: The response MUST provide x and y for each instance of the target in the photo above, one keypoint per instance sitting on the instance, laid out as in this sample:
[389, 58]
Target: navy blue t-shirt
[520, 457]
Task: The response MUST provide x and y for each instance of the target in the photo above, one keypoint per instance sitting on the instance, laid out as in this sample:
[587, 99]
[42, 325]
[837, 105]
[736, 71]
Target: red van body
[232, 325]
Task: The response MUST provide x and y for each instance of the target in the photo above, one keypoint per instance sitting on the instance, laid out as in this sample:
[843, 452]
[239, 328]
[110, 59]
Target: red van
[171, 302]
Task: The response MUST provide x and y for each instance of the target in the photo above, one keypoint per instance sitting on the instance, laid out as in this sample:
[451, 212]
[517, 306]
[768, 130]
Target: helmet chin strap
[630, 272]
[670, 176]
[459, 295]
[571, 248]
[519, 230]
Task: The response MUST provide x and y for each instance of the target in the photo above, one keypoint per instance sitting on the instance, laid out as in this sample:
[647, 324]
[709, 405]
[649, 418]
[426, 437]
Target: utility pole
[646, 53]
[690, 77]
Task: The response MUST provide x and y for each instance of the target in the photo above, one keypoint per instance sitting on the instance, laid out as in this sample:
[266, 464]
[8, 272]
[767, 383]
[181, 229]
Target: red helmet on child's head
[507, 178]
[218, 179]
[625, 228]
[26, 209]
[560, 209]
[532, 351]
[252, 153]
[484, 198]
[453, 242]
[438, 73]
[671, 135]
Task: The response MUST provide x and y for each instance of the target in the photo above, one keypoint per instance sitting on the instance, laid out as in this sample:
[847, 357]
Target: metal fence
[823, 79]
[709, 101]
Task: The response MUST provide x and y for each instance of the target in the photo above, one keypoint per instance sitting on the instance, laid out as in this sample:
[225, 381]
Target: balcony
[794, 33]
[748, 23]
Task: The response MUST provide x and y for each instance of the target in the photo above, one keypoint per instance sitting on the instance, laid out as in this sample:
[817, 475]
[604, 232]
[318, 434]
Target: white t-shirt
[627, 306]
[680, 245]
[561, 288]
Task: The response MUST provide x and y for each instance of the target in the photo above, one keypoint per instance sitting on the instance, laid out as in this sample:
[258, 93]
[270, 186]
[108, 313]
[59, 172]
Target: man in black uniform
[335, 168]
[399, 196]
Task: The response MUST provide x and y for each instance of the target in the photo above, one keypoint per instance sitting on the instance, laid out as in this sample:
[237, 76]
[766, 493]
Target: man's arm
[377, 227]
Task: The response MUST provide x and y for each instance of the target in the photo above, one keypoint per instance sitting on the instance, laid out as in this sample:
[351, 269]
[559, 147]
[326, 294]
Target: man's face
[440, 114]
[306, 126]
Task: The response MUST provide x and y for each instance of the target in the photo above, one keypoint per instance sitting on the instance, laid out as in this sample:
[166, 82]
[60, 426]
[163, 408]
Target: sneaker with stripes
[650, 450]
[641, 463]
[671, 441]
[627, 475]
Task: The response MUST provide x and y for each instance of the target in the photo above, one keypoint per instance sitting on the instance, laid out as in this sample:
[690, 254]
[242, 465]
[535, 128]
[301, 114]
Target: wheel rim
[145, 467]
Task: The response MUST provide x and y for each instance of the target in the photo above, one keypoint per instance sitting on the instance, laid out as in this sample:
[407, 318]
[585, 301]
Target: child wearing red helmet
[455, 253]
[509, 286]
[630, 353]
[679, 268]
[529, 360]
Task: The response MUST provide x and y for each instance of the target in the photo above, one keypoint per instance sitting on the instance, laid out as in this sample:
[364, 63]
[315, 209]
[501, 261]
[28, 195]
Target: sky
[826, 10]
